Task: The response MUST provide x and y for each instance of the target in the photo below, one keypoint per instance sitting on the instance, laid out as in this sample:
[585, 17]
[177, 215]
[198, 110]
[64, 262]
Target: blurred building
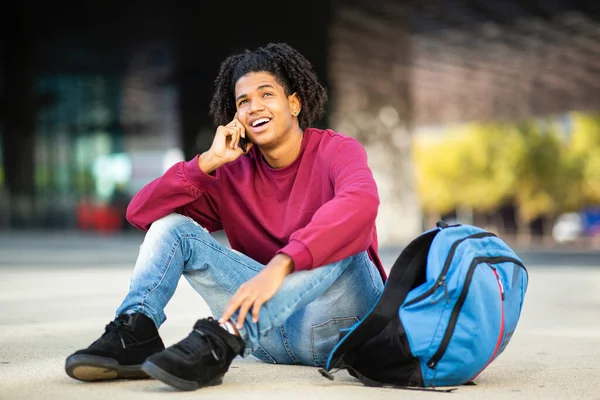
[100, 97]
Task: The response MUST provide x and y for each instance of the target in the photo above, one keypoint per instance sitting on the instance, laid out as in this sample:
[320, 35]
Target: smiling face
[265, 110]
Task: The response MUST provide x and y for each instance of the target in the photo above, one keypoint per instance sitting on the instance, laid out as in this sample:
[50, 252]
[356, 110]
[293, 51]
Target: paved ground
[58, 292]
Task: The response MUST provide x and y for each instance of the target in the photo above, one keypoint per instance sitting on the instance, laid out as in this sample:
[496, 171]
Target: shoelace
[117, 327]
[191, 347]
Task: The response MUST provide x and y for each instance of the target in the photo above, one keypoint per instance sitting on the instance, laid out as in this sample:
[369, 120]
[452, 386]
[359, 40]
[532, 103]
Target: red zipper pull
[499, 283]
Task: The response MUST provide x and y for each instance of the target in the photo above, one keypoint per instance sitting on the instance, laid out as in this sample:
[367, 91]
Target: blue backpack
[449, 308]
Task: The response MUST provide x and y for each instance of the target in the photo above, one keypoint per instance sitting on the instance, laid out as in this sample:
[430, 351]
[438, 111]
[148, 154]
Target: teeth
[260, 121]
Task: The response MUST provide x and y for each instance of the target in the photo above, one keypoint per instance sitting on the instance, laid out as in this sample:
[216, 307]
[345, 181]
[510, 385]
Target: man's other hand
[258, 290]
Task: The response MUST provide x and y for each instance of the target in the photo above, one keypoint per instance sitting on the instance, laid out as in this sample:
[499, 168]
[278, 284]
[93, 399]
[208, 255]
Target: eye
[267, 94]
[242, 102]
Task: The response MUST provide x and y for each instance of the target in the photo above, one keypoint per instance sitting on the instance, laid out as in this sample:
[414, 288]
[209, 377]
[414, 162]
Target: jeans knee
[174, 222]
[170, 228]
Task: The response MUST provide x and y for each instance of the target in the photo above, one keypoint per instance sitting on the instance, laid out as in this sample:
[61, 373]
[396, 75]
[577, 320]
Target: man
[298, 206]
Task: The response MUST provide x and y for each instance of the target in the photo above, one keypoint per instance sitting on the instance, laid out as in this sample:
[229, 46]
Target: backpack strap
[372, 383]
[403, 274]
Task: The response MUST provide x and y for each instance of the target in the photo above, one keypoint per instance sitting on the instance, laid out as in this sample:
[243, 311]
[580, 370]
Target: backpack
[449, 308]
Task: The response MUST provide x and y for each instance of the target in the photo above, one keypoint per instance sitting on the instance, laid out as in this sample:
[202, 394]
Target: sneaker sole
[182, 384]
[93, 368]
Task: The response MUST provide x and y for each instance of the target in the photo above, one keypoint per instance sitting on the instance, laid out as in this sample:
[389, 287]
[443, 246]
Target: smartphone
[242, 143]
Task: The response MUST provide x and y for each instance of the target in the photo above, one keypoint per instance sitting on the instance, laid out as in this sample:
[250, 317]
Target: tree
[549, 177]
[438, 174]
[472, 167]
[492, 152]
[482, 166]
[584, 152]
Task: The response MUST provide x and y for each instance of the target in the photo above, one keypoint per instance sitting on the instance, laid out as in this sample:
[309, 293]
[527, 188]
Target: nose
[256, 105]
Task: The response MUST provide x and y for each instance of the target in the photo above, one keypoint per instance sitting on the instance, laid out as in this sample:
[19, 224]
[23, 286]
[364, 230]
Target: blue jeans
[300, 324]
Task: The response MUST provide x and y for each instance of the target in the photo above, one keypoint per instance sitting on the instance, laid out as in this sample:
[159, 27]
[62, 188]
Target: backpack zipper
[437, 356]
[442, 278]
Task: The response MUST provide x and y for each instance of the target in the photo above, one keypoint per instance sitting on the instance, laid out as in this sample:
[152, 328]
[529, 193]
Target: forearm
[208, 162]
[334, 234]
[182, 184]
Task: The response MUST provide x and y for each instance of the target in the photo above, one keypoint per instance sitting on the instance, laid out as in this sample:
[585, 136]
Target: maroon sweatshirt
[319, 209]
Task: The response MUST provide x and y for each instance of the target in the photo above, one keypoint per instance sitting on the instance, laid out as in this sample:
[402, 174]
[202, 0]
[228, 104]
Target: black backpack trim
[377, 345]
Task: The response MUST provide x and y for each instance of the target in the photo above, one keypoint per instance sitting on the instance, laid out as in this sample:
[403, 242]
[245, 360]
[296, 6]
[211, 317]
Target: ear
[295, 104]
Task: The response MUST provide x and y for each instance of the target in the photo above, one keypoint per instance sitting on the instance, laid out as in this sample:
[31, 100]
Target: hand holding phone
[230, 142]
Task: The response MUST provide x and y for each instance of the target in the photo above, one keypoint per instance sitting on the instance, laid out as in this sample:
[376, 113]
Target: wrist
[208, 162]
[283, 262]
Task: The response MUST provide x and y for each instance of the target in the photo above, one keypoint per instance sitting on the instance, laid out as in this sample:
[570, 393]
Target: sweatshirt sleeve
[185, 189]
[343, 226]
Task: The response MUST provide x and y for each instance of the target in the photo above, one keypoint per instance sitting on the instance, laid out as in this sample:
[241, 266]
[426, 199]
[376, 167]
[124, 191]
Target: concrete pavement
[57, 293]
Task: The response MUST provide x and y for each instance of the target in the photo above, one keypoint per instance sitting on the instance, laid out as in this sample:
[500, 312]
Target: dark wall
[98, 37]
[205, 38]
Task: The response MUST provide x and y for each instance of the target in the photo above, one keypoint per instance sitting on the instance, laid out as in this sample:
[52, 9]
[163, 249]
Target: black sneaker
[199, 360]
[119, 352]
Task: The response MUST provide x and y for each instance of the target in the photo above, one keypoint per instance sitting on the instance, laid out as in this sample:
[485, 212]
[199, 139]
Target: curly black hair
[291, 70]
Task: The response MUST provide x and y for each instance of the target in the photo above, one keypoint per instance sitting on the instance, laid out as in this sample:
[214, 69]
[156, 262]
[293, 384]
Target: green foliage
[531, 164]
[473, 166]
[492, 153]
[548, 181]
[585, 149]
[438, 173]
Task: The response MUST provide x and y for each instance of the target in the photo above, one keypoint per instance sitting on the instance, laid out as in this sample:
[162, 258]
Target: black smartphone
[242, 143]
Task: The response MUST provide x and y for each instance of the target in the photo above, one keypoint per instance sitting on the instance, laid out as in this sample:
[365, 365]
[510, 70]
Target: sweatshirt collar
[293, 166]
